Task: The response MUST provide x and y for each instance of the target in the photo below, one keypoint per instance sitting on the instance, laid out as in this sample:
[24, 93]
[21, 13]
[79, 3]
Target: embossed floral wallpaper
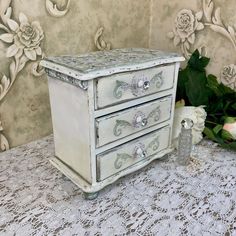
[33, 29]
[207, 25]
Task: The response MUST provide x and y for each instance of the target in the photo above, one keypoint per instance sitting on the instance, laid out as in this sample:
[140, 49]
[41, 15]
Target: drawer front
[121, 124]
[131, 153]
[127, 86]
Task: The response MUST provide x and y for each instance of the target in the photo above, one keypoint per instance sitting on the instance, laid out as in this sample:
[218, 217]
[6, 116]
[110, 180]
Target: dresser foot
[90, 196]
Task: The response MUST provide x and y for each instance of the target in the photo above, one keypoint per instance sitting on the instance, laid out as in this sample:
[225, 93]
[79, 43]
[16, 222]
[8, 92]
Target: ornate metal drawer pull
[139, 120]
[146, 85]
[139, 152]
[138, 85]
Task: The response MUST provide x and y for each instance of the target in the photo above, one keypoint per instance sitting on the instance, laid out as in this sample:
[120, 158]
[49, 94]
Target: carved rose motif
[228, 76]
[26, 38]
[186, 24]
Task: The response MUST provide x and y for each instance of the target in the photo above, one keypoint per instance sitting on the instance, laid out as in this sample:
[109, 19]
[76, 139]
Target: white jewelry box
[112, 112]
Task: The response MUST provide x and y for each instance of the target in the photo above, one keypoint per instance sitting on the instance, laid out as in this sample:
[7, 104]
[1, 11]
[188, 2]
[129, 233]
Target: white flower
[228, 76]
[26, 38]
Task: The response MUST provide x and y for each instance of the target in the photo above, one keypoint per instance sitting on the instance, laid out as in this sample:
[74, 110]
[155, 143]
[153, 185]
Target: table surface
[161, 199]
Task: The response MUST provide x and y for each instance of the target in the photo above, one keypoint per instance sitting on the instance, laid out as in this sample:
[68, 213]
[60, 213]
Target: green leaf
[197, 91]
[217, 129]
[209, 133]
[229, 145]
[226, 135]
[234, 106]
[197, 88]
[230, 120]
[232, 146]
[181, 91]
[198, 62]
[213, 84]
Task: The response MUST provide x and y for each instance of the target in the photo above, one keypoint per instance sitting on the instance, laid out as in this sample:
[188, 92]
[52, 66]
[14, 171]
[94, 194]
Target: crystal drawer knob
[139, 119]
[144, 122]
[140, 83]
[146, 85]
[140, 153]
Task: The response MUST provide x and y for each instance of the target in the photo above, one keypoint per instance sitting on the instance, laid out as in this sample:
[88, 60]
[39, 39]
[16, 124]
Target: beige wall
[24, 109]
[172, 25]
[216, 37]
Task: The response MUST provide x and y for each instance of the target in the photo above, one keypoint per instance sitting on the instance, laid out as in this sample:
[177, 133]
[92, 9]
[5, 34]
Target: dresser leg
[90, 196]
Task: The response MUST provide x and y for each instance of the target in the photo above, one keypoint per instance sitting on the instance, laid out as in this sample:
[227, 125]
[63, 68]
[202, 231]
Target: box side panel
[70, 117]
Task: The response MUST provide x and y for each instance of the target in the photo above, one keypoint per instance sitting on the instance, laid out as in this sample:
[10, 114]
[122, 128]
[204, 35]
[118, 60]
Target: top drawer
[127, 86]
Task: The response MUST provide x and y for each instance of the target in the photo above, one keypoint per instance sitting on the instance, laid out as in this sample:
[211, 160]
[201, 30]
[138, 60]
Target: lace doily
[161, 199]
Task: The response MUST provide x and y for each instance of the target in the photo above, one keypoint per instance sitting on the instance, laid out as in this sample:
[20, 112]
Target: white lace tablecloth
[161, 199]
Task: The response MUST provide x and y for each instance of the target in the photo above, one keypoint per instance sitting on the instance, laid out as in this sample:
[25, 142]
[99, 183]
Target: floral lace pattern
[161, 199]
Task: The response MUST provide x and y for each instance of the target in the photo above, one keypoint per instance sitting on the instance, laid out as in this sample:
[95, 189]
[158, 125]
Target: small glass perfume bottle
[185, 142]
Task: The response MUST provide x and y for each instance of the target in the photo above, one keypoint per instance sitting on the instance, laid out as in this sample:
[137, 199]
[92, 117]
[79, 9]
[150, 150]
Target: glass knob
[140, 83]
[138, 119]
[140, 153]
[144, 122]
[146, 85]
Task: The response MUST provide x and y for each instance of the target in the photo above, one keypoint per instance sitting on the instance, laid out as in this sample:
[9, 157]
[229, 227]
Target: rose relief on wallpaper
[187, 24]
[228, 76]
[23, 39]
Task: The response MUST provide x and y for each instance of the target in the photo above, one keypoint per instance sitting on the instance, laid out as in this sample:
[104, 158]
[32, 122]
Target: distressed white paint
[74, 112]
[106, 87]
[70, 118]
[107, 161]
[124, 123]
[103, 63]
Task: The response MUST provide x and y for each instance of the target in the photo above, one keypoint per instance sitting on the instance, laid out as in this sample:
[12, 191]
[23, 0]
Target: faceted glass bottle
[185, 142]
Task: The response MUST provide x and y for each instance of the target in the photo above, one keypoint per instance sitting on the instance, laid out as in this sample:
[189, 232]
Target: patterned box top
[103, 63]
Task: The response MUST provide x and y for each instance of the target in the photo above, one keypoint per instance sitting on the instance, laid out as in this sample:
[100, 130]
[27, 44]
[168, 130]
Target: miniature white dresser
[112, 112]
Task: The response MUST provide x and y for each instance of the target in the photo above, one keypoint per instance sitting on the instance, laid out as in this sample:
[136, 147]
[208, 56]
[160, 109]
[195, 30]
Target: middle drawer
[121, 124]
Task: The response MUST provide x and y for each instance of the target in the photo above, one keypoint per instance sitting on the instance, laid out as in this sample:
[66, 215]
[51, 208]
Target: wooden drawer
[126, 155]
[127, 122]
[130, 85]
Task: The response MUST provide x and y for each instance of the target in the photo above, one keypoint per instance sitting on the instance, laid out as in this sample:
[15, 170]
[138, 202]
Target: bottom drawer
[126, 155]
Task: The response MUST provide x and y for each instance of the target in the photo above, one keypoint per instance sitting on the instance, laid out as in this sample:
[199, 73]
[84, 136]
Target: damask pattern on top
[162, 199]
[107, 62]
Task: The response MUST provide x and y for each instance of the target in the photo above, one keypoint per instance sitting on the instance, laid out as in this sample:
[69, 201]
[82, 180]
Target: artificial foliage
[197, 88]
